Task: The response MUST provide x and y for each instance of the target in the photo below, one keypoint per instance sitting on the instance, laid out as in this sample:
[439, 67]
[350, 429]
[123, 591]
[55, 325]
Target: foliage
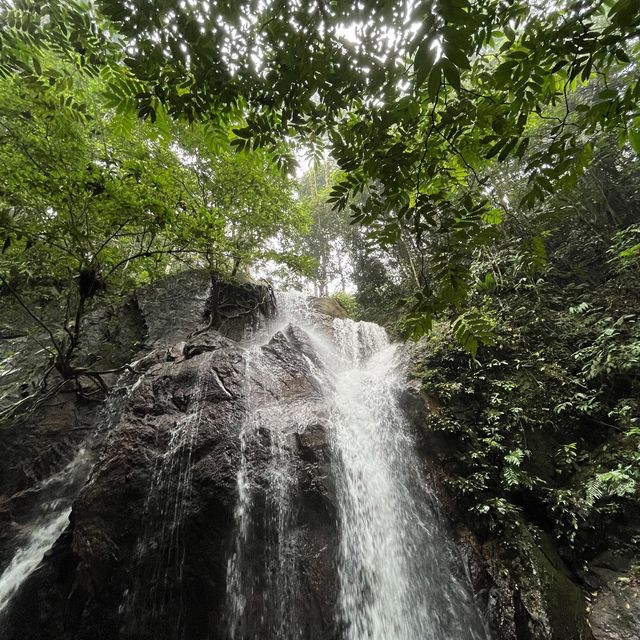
[625, 248]
[543, 423]
[349, 303]
[326, 241]
[94, 202]
[239, 207]
[418, 103]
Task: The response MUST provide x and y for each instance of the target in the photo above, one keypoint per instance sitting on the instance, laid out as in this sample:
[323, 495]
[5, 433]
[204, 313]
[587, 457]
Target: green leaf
[451, 73]
[457, 56]
[472, 328]
[435, 80]
[634, 139]
[424, 60]
[493, 216]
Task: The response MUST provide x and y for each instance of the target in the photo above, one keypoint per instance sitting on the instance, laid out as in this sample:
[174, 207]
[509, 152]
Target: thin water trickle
[57, 493]
[164, 515]
[268, 592]
[236, 587]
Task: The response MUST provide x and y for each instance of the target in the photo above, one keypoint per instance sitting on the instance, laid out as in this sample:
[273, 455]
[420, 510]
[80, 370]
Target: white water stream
[29, 556]
[400, 577]
[397, 568]
[51, 522]
[56, 494]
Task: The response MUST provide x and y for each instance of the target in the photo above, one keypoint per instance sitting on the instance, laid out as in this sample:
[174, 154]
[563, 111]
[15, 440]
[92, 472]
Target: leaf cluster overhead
[416, 100]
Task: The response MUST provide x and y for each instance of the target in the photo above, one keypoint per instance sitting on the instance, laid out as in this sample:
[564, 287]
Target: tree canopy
[416, 101]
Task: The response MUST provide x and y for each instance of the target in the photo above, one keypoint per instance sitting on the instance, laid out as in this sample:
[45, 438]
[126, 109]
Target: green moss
[563, 599]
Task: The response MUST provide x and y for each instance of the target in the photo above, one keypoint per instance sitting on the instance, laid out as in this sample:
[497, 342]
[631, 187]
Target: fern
[515, 457]
[625, 248]
[472, 328]
[593, 490]
[581, 308]
[511, 476]
[618, 482]
[615, 483]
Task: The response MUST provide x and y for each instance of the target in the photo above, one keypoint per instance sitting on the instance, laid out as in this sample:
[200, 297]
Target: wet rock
[174, 307]
[199, 343]
[288, 571]
[41, 445]
[147, 549]
[31, 453]
[554, 605]
[111, 335]
[237, 308]
[540, 602]
[615, 611]
[329, 307]
[313, 443]
[121, 526]
[419, 406]
[48, 438]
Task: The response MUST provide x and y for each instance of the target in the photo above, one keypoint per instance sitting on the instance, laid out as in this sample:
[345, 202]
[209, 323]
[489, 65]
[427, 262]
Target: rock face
[282, 574]
[210, 512]
[615, 614]
[538, 597]
[39, 446]
[614, 583]
[147, 551]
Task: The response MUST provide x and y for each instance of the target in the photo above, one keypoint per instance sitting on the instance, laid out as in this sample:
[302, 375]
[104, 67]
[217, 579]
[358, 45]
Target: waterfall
[56, 494]
[44, 533]
[276, 494]
[400, 578]
[52, 518]
[265, 589]
[396, 564]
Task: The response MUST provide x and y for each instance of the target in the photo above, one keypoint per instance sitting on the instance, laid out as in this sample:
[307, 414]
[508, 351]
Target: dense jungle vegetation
[467, 175]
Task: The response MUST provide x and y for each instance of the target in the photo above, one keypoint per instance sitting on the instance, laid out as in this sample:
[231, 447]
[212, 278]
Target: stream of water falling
[56, 494]
[397, 568]
[269, 595]
[400, 577]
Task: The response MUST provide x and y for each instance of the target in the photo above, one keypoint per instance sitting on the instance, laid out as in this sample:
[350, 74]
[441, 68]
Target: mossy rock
[329, 307]
[551, 605]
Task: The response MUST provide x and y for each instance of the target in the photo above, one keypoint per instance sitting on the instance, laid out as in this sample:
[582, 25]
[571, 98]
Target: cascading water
[395, 562]
[276, 494]
[27, 558]
[265, 591]
[399, 576]
[53, 517]
[56, 495]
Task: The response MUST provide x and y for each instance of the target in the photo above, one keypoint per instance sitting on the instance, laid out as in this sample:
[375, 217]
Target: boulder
[146, 553]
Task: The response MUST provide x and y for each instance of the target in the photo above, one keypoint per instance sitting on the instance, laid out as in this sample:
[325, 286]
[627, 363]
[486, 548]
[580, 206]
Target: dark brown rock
[615, 611]
[128, 567]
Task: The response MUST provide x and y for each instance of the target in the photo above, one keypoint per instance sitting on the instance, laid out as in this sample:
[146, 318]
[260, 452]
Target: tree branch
[32, 315]
[110, 238]
[147, 254]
